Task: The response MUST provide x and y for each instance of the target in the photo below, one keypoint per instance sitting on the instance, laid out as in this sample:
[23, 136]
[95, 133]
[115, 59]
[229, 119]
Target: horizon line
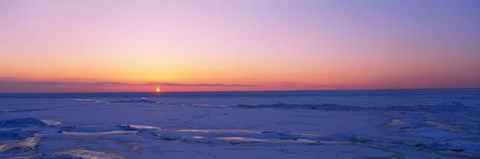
[220, 91]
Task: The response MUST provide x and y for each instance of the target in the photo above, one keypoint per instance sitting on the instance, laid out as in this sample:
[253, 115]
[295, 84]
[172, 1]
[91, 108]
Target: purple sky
[230, 45]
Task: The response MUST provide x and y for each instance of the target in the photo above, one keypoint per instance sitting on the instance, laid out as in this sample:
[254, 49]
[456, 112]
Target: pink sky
[100, 45]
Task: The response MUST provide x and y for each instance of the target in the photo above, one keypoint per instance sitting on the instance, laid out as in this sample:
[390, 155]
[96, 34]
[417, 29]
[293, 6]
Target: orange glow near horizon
[62, 46]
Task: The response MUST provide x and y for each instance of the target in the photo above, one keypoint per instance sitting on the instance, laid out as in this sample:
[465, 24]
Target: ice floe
[88, 154]
[51, 122]
[113, 132]
[29, 144]
[135, 127]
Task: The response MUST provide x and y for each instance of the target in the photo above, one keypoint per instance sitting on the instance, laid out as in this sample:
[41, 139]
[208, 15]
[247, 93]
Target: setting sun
[185, 79]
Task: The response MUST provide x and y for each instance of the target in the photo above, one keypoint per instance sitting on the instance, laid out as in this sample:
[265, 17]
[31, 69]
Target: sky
[234, 45]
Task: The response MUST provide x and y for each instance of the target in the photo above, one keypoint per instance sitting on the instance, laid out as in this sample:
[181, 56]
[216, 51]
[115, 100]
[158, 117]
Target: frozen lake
[439, 123]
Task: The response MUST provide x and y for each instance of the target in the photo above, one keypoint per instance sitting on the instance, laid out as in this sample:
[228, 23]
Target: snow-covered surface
[325, 124]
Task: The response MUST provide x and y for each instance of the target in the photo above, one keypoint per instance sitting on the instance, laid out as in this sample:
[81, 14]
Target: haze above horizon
[239, 45]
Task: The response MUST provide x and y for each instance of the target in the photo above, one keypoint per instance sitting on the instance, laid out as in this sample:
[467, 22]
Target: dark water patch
[135, 101]
[332, 107]
[21, 122]
[57, 156]
[435, 146]
[15, 134]
[21, 110]
[443, 107]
